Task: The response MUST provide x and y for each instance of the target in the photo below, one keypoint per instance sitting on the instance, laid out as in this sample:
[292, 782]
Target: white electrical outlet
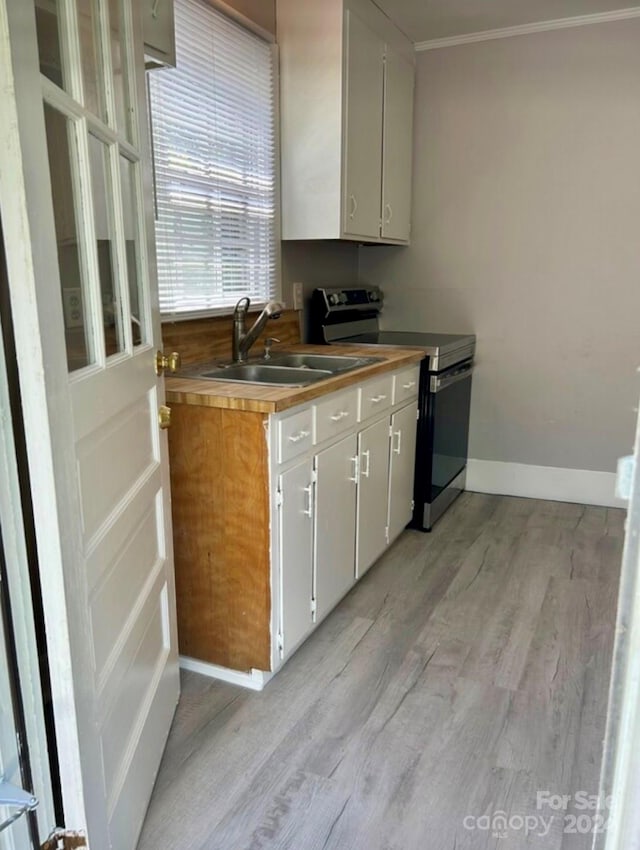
[72, 307]
[298, 298]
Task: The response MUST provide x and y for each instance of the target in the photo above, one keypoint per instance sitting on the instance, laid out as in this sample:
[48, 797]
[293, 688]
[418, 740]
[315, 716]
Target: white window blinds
[214, 143]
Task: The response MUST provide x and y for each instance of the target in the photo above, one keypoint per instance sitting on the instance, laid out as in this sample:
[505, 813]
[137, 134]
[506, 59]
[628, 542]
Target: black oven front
[443, 439]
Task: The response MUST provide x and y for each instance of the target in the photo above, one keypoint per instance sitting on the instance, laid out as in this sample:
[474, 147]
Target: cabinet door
[373, 488]
[335, 526]
[158, 30]
[401, 468]
[362, 178]
[296, 542]
[397, 146]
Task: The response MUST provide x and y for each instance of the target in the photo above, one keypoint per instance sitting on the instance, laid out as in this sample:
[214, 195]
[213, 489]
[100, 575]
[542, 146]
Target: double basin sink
[291, 369]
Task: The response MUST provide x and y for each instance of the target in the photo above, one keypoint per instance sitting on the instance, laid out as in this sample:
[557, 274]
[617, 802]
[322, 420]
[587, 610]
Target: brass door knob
[172, 362]
[164, 417]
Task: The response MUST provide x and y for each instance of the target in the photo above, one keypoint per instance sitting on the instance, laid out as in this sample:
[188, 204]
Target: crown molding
[528, 29]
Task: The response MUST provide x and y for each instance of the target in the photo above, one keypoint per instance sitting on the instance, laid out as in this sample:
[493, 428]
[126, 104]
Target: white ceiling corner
[443, 23]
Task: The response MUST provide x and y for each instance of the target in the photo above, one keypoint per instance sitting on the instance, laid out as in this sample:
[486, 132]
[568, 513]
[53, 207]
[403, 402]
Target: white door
[373, 489]
[335, 526]
[75, 204]
[14, 836]
[296, 548]
[401, 469]
[19, 623]
[397, 146]
[363, 130]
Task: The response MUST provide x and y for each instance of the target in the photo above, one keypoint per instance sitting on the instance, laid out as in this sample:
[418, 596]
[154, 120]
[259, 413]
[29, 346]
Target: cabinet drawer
[336, 414]
[295, 435]
[375, 397]
[405, 384]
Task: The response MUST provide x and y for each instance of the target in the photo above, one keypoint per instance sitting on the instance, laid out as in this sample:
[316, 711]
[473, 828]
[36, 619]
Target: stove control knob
[343, 297]
[334, 298]
[374, 296]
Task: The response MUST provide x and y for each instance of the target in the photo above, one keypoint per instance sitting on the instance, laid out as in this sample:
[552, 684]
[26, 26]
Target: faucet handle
[267, 346]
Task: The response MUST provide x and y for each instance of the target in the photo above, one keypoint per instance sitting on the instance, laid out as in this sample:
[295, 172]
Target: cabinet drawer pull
[309, 499]
[295, 438]
[354, 205]
[376, 399]
[365, 472]
[356, 469]
[337, 417]
[398, 436]
[409, 386]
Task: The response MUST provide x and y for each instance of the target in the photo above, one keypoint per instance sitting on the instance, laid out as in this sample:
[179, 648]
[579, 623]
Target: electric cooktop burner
[432, 343]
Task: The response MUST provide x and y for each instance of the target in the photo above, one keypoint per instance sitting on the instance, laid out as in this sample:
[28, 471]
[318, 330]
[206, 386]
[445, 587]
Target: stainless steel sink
[258, 373]
[336, 363]
[286, 369]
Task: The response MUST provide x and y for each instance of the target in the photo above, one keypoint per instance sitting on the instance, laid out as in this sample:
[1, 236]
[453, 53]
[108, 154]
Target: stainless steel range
[349, 316]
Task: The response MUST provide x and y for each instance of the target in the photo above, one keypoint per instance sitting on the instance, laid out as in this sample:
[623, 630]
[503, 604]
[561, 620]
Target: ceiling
[424, 20]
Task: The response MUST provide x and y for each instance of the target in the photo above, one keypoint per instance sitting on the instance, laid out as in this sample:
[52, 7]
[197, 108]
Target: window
[214, 142]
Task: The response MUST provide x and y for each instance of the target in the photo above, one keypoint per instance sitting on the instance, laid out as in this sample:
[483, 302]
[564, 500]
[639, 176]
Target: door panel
[82, 288]
[363, 130]
[17, 587]
[397, 146]
[335, 527]
[373, 488]
[296, 542]
[401, 468]
[16, 836]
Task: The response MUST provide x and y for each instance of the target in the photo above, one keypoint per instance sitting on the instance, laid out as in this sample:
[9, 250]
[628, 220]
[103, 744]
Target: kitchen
[523, 212]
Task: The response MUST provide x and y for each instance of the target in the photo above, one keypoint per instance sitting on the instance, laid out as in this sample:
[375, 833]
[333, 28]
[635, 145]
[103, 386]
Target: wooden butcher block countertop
[259, 398]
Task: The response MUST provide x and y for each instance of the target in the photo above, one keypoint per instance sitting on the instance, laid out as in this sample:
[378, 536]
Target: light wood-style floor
[466, 672]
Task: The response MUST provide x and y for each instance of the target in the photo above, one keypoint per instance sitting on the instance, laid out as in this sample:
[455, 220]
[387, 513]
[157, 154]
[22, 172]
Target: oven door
[443, 436]
[449, 401]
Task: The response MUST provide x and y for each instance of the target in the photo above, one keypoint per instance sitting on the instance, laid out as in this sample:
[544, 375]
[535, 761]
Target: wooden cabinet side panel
[220, 505]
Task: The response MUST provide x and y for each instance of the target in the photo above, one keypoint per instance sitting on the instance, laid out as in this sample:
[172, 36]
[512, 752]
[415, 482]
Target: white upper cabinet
[346, 103]
[364, 87]
[397, 146]
[159, 32]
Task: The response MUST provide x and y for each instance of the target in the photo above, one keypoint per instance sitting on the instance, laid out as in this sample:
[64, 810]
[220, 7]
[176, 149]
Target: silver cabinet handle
[398, 436]
[338, 417]
[354, 205]
[409, 385]
[365, 472]
[389, 213]
[356, 469]
[376, 399]
[308, 491]
[295, 438]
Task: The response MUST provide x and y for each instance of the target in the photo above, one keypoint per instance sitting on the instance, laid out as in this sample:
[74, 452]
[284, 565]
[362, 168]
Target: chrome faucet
[243, 339]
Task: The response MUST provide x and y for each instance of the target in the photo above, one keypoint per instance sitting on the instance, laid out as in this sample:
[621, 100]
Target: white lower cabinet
[335, 523]
[344, 491]
[373, 488]
[295, 531]
[401, 469]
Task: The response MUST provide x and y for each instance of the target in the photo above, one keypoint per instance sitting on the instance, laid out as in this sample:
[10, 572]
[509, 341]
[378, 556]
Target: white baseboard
[581, 486]
[254, 681]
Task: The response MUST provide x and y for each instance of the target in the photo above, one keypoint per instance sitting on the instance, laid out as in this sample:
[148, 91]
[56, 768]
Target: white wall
[526, 230]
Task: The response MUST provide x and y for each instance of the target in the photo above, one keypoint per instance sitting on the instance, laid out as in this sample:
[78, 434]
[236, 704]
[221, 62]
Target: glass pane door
[96, 185]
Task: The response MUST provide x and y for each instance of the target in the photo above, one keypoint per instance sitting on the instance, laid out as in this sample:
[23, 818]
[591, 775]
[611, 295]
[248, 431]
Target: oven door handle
[439, 383]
